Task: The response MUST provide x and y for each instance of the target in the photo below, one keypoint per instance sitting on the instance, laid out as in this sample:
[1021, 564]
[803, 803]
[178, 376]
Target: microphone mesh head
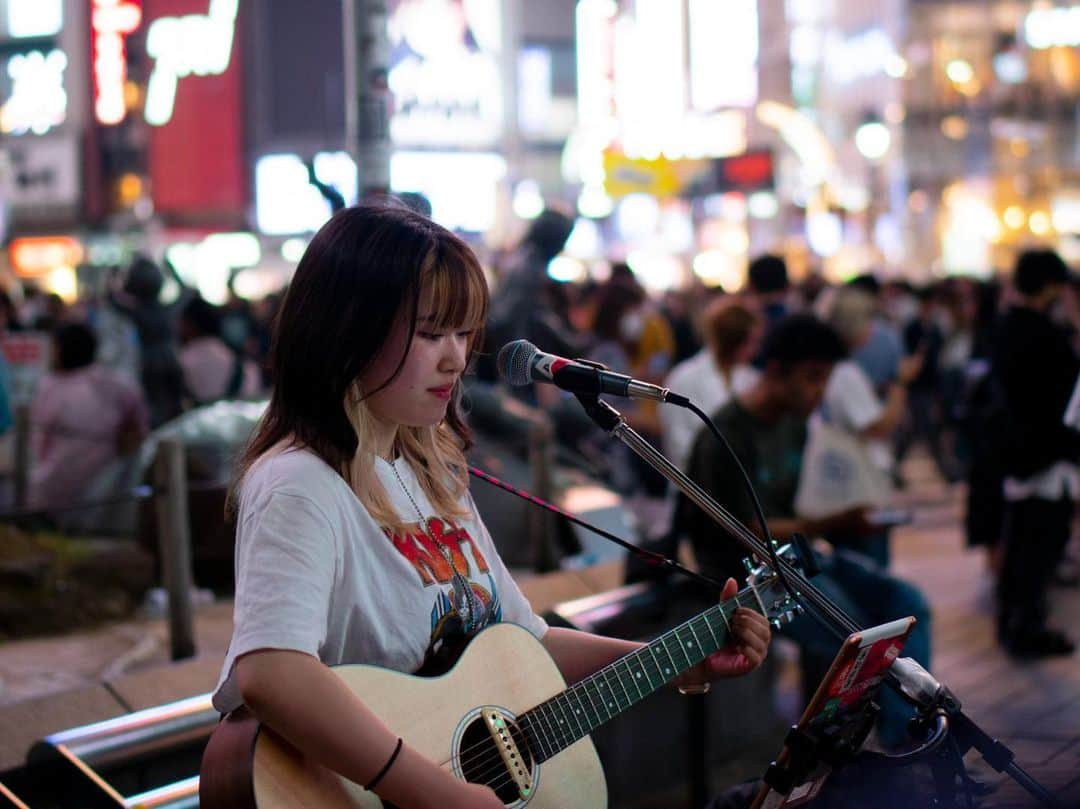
[515, 360]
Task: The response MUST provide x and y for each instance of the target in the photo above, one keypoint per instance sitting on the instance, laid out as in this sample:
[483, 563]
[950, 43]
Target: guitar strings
[724, 608]
[495, 764]
[483, 749]
[563, 738]
[495, 767]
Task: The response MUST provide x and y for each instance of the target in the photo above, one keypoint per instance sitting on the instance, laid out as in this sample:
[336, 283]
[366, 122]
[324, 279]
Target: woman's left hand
[743, 653]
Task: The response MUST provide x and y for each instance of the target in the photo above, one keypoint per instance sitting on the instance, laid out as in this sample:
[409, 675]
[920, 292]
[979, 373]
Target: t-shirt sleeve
[515, 607]
[850, 399]
[286, 565]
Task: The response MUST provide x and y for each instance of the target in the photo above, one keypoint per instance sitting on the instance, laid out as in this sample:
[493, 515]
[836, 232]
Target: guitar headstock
[780, 607]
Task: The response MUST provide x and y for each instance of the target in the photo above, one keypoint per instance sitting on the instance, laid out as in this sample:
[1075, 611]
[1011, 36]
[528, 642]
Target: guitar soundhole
[482, 764]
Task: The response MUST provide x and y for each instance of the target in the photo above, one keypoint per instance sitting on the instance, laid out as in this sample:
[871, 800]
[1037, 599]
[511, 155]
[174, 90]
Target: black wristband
[386, 767]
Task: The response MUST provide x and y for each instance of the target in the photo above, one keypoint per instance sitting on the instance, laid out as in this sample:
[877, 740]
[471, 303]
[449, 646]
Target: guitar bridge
[517, 765]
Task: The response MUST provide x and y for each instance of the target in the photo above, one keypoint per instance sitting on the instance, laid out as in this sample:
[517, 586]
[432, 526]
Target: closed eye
[430, 335]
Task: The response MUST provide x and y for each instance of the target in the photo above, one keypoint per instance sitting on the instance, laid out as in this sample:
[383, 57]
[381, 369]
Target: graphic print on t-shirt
[462, 607]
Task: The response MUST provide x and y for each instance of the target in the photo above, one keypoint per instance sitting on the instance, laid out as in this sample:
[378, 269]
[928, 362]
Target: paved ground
[51, 684]
[1034, 708]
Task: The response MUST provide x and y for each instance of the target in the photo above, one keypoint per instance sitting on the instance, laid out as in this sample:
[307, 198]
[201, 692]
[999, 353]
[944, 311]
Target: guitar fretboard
[554, 725]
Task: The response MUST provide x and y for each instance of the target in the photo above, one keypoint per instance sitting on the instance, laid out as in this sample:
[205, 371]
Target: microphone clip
[606, 417]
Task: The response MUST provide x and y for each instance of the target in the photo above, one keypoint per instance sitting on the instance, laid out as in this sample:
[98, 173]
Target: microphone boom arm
[611, 421]
[905, 676]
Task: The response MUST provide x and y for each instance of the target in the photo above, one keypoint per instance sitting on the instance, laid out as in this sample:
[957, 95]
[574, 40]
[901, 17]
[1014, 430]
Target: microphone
[520, 362]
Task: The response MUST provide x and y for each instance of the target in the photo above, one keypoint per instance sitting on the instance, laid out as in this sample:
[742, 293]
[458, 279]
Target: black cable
[652, 558]
[759, 512]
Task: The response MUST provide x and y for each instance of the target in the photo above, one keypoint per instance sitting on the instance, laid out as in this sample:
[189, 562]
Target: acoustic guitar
[502, 716]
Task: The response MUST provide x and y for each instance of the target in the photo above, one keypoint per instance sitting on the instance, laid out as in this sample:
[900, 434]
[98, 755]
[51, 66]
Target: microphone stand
[905, 676]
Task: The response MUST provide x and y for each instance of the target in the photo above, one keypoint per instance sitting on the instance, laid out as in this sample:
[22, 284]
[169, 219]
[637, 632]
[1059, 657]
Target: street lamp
[872, 138]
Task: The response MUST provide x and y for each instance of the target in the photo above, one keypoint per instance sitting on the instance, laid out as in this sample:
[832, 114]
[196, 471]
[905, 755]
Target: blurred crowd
[124, 359]
[823, 390]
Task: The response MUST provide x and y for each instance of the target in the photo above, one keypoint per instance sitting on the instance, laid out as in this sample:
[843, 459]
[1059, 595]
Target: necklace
[467, 603]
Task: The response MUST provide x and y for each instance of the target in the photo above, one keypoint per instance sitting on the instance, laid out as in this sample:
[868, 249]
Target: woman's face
[420, 394]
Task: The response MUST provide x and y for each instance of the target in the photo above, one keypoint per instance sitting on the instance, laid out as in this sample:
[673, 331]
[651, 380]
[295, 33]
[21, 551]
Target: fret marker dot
[667, 671]
[639, 675]
[611, 704]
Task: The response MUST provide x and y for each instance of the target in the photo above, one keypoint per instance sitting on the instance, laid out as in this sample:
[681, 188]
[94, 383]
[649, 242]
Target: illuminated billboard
[195, 97]
[444, 72]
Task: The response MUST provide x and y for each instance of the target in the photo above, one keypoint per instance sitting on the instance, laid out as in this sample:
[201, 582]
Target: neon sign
[34, 18]
[38, 101]
[199, 44]
[111, 21]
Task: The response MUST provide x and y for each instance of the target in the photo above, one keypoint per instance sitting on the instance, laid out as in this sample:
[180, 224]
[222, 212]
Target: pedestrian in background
[1036, 369]
[83, 417]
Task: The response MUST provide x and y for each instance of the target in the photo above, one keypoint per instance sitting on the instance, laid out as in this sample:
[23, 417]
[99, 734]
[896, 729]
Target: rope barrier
[134, 495]
[105, 438]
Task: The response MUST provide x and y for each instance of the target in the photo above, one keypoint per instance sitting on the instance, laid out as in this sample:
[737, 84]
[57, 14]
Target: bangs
[454, 292]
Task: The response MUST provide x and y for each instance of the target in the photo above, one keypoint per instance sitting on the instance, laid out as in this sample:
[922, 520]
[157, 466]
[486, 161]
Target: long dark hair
[364, 268]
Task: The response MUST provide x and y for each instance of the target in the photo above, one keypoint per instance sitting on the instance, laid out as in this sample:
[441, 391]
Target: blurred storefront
[482, 99]
[992, 141]
[833, 107]
[913, 137]
[908, 138]
[660, 160]
[43, 118]
[750, 127]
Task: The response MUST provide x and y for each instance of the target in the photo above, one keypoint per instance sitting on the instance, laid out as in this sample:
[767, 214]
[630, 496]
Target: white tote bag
[838, 473]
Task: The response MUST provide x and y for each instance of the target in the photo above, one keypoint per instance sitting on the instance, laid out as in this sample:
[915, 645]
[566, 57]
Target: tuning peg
[775, 623]
[748, 563]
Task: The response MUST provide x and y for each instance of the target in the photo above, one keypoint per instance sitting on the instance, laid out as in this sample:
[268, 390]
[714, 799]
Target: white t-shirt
[209, 366]
[315, 573]
[851, 404]
[698, 379]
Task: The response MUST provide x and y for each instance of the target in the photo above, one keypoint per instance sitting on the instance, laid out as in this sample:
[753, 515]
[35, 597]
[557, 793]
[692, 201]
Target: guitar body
[503, 667]
[490, 720]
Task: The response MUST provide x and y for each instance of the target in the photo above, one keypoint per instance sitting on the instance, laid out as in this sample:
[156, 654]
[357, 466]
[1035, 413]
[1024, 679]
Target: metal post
[22, 455]
[174, 544]
[367, 93]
